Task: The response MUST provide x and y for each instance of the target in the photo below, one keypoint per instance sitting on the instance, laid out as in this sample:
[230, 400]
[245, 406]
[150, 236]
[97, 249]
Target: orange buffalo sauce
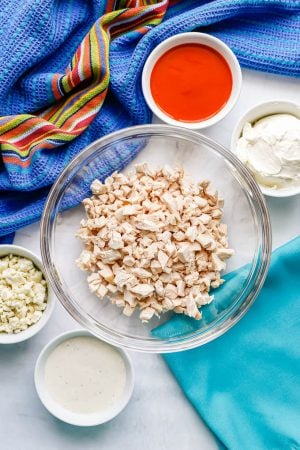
[191, 82]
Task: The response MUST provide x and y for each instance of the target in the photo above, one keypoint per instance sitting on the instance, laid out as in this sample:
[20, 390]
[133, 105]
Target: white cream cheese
[85, 375]
[270, 148]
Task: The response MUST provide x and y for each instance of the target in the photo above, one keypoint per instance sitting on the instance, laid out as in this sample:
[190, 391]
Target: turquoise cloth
[246, 384]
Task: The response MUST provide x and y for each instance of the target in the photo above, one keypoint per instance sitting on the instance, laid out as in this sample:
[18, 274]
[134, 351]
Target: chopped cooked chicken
[154, 241]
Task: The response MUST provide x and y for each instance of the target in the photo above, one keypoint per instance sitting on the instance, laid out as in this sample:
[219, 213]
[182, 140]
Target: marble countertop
[158, 416]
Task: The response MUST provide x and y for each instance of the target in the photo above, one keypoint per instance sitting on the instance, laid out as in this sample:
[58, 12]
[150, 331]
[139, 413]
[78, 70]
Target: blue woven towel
[39, 38]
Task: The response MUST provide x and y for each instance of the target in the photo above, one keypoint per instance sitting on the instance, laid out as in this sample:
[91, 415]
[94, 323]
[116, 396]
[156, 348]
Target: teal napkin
[246, 384]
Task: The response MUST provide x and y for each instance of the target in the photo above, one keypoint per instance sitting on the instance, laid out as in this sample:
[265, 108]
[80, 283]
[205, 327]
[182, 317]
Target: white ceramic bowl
[84, 420]
[192, 38]
[5, 338]
[258, 112]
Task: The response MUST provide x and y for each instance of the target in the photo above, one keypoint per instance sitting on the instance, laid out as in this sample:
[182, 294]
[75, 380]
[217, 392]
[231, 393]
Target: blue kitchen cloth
[39, 38]
[246, 384]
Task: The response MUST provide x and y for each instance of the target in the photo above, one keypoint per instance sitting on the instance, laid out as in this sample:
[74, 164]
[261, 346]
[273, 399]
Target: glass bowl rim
[120, 339]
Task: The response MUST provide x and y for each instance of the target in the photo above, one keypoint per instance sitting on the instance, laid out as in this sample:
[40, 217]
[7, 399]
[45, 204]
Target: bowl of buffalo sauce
[192, 80]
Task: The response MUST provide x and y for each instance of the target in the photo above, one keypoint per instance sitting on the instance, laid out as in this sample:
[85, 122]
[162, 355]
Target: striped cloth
[59, 61]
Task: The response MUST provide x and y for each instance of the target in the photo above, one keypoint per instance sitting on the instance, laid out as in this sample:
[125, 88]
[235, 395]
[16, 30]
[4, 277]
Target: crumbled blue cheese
[23, 294]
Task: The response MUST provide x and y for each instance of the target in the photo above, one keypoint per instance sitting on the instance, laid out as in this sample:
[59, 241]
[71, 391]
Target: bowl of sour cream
[82, 380]
[267, 141]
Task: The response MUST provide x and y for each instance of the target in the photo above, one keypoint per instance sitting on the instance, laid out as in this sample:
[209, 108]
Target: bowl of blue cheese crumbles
[26, 301]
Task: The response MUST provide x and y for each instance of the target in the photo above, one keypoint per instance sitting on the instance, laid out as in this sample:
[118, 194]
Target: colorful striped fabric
[80, 92]
[59, 61]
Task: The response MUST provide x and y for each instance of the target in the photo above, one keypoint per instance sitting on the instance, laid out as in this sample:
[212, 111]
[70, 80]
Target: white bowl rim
[256, 112]
[199, 38]
[5, 338]
[83, 420]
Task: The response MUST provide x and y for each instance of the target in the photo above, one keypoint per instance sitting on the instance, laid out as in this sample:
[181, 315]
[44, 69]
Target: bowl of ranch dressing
[267, 141]
[82, 380]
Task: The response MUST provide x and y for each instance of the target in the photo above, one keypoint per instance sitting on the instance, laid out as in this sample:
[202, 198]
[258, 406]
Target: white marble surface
[158, 417]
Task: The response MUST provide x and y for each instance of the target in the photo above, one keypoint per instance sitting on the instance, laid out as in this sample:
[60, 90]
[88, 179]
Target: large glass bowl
[245, 212]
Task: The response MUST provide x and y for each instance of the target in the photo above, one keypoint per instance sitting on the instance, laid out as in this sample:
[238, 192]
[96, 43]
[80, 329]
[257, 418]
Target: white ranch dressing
[85, 375]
